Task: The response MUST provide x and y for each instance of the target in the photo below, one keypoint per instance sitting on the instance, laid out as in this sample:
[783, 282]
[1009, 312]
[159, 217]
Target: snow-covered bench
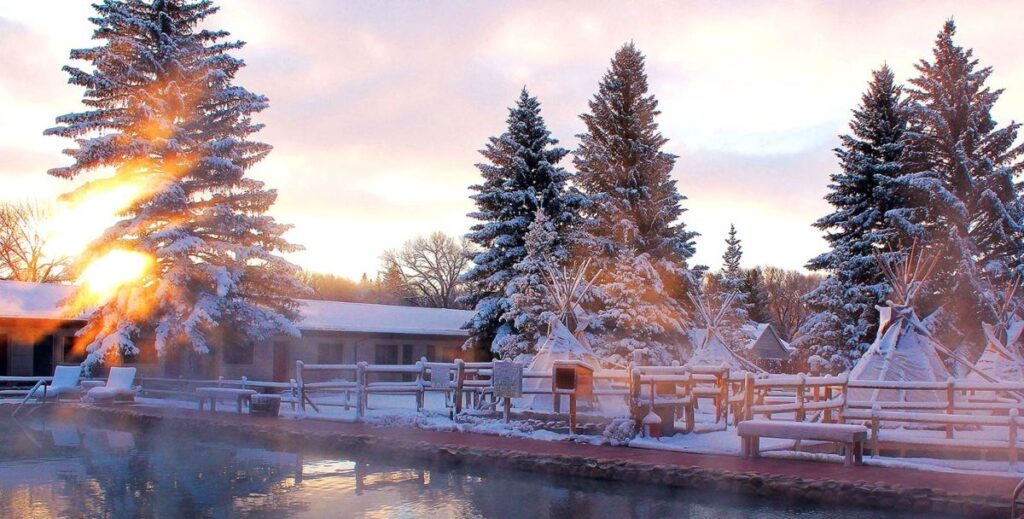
[852, 437]
[213, 394]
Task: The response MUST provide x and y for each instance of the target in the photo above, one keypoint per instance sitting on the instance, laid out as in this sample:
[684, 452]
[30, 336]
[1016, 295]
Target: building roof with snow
[767, 344]
[21, 300]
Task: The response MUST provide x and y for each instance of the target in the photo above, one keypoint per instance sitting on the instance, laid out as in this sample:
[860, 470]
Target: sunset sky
[378, 108]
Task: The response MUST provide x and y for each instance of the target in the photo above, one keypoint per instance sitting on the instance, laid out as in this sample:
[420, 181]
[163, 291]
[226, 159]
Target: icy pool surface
[50, 468]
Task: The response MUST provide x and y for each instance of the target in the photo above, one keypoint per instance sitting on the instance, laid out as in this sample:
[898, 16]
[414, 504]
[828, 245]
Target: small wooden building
[767, 349]
[35, 336]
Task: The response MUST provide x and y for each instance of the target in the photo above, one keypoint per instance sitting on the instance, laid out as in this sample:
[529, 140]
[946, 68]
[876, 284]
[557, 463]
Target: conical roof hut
[903, 350]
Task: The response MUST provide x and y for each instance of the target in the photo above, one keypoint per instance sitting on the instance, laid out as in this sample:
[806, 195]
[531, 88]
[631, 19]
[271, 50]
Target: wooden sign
[440, 377]
[507, 379]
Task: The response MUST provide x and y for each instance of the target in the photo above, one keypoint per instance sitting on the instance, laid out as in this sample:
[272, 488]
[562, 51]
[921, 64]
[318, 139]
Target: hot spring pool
[55, 468]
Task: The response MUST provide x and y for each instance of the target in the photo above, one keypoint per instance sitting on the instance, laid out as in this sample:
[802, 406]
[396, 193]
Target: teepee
[565, 339]
[903, 350]
[709, 347]
[1002, 360]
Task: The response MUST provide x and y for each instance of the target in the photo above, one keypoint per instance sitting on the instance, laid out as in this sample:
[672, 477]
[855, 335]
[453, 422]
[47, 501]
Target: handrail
[30, 394]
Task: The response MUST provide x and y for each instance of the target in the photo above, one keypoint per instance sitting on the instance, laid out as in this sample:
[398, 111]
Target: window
[386, 354]
[238, 352]
[330, 353]
[432, 353]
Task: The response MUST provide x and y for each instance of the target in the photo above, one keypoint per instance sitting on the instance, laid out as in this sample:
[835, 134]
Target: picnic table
[213, 394]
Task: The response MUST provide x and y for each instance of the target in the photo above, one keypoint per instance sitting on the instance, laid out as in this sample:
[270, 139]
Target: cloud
[378, 109]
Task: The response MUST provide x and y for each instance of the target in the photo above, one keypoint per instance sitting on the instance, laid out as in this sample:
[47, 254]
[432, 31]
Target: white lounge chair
[118, 388]
[66, 383]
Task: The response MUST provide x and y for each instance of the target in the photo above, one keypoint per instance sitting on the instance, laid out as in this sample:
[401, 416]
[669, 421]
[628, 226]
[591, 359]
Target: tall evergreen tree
[521, 176]
[756, 295]
[963, 173]
[165, 113]
[864, 193]
[633, 226]
[732, 256]
[529, 303]
[731, 281]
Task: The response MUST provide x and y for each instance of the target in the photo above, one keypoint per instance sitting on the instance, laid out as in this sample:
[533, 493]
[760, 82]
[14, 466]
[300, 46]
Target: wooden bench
[852, 437]
[212, 394]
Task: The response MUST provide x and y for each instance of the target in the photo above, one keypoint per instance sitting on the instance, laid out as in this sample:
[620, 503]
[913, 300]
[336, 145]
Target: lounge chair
[66, 383]
[118, 387]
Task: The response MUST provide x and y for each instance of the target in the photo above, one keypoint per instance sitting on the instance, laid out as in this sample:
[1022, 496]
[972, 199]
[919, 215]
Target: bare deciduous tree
[785, 290]
[23, 255]
[428, 268]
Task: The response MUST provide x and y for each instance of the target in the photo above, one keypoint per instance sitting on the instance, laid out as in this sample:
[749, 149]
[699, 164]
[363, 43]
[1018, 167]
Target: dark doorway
[42, 357]
[280, 362]
[3, 355]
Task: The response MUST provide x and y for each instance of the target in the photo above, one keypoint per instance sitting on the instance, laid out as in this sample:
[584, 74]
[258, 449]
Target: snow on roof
[360, 317]
[20, 300]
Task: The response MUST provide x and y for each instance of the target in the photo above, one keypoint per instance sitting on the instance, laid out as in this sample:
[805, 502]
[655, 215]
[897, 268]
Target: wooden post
[460, 374]
[827, 418]
[301, 385]
[748, 396]
[725, 393]
[420, 377]
[801, 415]
[950, 396]
[875, 409]
[507, 409]
[1014, 414]
[361, 396]
[572, 413]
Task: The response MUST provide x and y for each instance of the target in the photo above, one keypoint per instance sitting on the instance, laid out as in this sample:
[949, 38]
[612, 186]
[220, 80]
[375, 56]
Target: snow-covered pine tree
[633, 226]
[529, 305]
[756, 295]
[520, 176]
[164, 112]
[963, 168]
[736, 327]
[862, 193]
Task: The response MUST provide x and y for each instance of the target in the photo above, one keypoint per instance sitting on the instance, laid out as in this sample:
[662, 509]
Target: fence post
[245, 380]
[420, 377]
[875, 409]
[301, 384]
[950, 396]
[460, 374]
[828, 401]
[725, 392]
[294, 390]
[635, 391]
[1014, 414]
[748, 396]
[361, 396]
[801, 415]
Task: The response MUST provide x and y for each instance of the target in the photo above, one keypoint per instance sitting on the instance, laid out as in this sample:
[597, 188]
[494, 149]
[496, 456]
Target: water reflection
[51, 468]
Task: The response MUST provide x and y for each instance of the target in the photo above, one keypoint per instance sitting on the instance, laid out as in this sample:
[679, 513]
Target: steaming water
[53, 468]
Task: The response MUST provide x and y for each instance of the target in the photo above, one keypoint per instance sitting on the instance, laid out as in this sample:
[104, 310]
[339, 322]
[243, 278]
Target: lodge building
[35, 336]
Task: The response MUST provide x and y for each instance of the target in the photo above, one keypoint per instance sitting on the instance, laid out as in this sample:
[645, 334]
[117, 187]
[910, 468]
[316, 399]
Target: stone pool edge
[820, 491]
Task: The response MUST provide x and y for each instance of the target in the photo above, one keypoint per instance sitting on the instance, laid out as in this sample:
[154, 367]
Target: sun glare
[102, 277]
[83, 217]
